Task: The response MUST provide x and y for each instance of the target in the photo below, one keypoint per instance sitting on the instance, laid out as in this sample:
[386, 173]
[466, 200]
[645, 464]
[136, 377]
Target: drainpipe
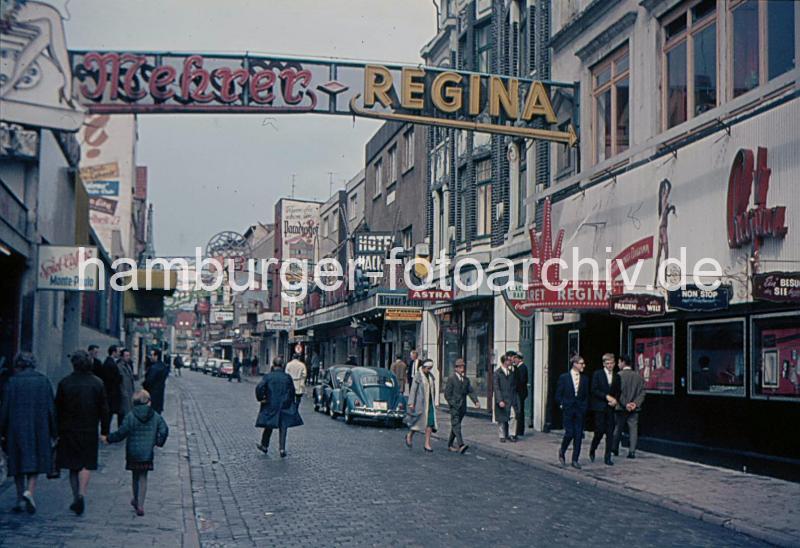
[438, 15]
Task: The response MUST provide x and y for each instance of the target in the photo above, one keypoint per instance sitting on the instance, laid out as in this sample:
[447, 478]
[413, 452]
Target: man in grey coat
[504, 386]
[629, 404]
[456, 391]
[126, 385]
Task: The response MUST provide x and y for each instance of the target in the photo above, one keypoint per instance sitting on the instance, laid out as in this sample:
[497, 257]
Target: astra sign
[142, 82]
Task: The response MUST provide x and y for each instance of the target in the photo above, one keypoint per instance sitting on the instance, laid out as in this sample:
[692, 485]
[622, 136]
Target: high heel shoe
[407, 442]
[427, 450]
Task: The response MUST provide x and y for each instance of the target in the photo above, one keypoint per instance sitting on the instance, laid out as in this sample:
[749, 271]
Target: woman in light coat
[421, 414]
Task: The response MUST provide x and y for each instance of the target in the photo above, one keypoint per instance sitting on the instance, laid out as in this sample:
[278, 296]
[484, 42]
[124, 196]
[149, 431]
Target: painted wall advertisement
[59, 268]
[108, 146]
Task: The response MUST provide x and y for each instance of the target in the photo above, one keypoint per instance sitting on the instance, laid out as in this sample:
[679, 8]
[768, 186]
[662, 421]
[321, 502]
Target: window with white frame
[716, 357]
[689, 62]
[483, 194]
[406, 239]
[762, 43]
[610, 100]
[391, 165]
[378, 177]
[408, 149]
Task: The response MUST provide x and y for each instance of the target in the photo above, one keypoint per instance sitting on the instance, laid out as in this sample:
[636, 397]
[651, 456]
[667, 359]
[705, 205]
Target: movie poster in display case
[776, 356]
[652, 350]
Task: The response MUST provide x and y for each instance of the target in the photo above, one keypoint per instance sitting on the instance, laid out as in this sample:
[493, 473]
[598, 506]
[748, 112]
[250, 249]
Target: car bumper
[377, 414]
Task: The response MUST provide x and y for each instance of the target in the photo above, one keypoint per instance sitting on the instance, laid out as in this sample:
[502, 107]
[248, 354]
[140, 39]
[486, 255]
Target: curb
[728, 522]
[191, 536]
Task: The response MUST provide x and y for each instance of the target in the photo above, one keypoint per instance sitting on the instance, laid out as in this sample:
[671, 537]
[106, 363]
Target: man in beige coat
[400, 369]
[297, 370]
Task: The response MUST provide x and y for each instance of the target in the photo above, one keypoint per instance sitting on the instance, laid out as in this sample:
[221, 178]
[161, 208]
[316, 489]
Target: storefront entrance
[11, 267]
[591, 337]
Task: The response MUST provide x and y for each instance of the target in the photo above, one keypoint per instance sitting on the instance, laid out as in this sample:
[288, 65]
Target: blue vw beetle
[330, 381]
[368, 393]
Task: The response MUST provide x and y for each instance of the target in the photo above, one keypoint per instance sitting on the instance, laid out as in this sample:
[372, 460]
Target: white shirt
[609, 376]
[576, 380]
[297, 370]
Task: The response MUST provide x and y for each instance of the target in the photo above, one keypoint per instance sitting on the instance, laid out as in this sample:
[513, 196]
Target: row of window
[387, 173]
[760, 46]
[716, 353]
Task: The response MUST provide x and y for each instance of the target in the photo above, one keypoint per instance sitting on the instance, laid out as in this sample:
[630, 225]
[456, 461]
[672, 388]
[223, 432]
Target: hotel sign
[144, 82]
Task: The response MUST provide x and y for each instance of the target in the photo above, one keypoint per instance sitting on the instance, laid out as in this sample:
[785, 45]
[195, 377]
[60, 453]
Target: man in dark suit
[504, 389]
[572, 395]
[605, 391]
[155, 381]
[456, 391]
[521, 372]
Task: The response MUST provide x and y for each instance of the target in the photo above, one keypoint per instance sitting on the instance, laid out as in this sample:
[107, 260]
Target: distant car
[331, 380]
[225, 369]
[371, 394]
[210, 367]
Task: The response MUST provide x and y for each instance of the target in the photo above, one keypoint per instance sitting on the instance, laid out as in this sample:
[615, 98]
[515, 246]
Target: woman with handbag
[421, 413]
[27, 426]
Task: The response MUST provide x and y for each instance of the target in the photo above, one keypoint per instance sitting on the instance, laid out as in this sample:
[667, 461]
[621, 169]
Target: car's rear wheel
[348, 418]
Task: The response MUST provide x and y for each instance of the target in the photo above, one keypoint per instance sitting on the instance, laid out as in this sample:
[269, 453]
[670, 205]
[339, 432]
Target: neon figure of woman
[664, 209]
[46, 21]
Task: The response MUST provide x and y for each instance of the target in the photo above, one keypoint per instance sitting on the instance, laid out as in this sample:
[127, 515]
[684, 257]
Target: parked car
[371, 394]
[225, 369]
[331, 380]
[210, 366]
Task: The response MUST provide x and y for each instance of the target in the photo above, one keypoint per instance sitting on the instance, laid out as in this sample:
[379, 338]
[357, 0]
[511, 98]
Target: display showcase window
[652, 349]
[476, 351]
[775, 356]
[716, 357]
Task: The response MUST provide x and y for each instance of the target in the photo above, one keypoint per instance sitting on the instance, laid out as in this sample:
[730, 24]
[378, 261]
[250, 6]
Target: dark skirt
[139, 466]
[77, 450]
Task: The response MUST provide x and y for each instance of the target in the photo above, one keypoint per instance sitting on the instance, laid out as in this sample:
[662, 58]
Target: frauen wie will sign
[142, 82]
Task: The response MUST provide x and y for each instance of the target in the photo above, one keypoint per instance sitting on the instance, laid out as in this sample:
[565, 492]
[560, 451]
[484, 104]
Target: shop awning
[149, 303]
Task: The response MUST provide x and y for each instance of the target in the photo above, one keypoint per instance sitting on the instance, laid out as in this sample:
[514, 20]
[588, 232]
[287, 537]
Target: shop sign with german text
[632, 305]
[694, 299]
[777, 287]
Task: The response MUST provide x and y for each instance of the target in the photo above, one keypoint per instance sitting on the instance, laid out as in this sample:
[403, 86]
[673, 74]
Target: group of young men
[616, 399]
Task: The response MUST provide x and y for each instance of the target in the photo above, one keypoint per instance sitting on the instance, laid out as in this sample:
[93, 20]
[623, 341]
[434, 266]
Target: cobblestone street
[339, 486]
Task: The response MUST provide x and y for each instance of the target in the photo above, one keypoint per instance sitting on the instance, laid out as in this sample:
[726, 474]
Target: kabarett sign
[142, 82]
[59, 268]
[587, 296]
[777, 287]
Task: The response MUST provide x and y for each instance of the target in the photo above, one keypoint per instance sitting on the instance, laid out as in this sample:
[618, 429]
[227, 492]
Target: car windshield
[375, 380]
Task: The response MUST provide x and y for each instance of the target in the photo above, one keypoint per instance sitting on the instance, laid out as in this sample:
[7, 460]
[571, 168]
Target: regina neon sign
[142, 82]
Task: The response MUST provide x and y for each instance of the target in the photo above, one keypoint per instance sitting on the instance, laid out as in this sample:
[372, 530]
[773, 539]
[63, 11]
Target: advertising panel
[59, 268]
[653, 353]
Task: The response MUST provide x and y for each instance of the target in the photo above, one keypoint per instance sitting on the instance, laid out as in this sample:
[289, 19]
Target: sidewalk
[109, 519]
[762, 507]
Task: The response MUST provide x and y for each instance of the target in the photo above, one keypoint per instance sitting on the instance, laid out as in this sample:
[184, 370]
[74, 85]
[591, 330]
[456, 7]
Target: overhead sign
[778, 287]
[141, 82]
[432, 295]
[637, 305]
[524, 302]
[370, 250]
[692, 298]
[402, 315]
[59, 268]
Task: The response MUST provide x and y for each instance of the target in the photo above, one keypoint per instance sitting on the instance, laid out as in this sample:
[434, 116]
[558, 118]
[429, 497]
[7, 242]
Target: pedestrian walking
[629, 404]
[127, 385]
[605, 391]
[421, 412]
[143, 429]
[400, 370]
[279, 409]
[237, 370]
[504, 386]
[351, 360]
[315, 366]
[110, 375]
[178, 364]
[254, 365]
[81, 406]
[572, 395]
[97, 365]
[27, 428]
[456, 391]
[297, 370]
[155, 381]
[521, 374]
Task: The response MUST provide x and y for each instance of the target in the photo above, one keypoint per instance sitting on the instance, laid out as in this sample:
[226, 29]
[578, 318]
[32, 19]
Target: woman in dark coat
[28, 427]
[81, 405]
[278, 408]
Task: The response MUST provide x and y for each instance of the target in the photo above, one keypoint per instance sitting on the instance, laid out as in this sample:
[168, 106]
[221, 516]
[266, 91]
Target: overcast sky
[209, 173]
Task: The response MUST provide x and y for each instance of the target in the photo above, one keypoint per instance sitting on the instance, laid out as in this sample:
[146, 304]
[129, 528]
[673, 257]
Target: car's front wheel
[348, 418]
[331, 412]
